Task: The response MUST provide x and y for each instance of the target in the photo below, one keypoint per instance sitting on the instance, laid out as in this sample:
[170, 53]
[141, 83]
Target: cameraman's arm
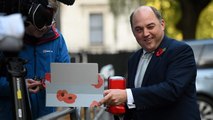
[4, 87]
[4, 84]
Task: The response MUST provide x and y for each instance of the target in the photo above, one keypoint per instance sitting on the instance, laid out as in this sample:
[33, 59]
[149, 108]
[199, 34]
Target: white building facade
[89, 26]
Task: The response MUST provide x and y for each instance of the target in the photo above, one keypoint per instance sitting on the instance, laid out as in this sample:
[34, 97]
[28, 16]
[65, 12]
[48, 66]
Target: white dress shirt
[142, 65]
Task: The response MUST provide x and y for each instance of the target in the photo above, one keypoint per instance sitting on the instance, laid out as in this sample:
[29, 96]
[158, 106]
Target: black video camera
[38, 12]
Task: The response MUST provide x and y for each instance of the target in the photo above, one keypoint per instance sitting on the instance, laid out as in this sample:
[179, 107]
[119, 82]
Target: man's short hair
[156, 12]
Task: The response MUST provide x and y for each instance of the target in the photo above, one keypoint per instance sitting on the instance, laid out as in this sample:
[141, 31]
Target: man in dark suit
[162, 85]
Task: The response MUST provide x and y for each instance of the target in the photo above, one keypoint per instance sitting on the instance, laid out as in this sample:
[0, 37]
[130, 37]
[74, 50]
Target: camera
[40, 13]
[15, 15]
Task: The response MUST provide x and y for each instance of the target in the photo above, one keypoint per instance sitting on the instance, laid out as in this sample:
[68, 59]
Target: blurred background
[98, 31]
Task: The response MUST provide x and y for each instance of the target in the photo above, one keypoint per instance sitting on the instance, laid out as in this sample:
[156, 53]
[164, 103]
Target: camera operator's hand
[33, 85]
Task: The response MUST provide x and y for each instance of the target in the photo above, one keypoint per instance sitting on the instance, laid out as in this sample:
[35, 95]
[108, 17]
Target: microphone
[67, 2]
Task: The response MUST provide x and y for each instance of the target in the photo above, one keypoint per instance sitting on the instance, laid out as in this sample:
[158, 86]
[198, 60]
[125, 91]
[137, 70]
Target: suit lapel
[155, 60]
[135, 66]
[151, 65]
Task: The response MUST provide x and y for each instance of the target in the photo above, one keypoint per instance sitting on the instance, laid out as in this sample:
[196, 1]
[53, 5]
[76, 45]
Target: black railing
[55, 115]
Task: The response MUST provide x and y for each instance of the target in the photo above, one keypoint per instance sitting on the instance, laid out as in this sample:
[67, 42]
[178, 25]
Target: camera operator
[43, 44]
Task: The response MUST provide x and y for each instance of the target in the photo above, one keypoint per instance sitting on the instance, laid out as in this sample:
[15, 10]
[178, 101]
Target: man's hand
[114, 97]
[33, 86]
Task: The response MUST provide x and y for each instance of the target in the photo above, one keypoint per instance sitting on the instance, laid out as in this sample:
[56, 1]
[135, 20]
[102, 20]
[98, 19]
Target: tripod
[16, 72]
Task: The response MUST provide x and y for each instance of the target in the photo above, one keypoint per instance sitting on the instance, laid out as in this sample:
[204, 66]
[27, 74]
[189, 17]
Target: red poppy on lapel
[160, 51]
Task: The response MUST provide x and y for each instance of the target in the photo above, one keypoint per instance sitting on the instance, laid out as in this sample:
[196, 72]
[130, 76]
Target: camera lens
[41, 16]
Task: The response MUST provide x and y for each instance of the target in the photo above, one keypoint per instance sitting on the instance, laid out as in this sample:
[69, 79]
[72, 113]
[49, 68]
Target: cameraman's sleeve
[4, 87]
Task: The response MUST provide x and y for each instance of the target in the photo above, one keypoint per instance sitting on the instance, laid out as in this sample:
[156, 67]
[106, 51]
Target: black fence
[118, 60]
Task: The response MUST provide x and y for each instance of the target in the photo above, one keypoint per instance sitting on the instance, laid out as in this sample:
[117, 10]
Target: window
[206, 60]
[197, 51]
[96, 29]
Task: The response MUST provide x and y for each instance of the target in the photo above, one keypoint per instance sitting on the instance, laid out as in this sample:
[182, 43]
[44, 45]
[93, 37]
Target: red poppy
[61, 94]
[94, 104]
[48, 77]
[100, 82]
[160, 51]
[70, 98]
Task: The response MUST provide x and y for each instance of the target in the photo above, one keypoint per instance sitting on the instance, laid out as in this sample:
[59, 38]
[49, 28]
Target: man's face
[147, 29]
[35, 32]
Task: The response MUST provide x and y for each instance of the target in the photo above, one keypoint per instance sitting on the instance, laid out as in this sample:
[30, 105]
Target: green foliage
[205, 24]
[170, 10]
[171, 13]
[119, 7]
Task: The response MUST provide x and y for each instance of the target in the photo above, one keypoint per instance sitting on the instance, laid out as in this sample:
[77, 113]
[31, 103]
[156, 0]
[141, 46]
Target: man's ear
[163, 25]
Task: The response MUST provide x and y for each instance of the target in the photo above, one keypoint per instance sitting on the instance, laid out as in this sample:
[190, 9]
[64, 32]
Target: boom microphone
[67, 2]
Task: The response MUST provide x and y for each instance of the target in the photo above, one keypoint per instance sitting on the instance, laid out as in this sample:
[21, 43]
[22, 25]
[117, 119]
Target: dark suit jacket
[168, 90]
